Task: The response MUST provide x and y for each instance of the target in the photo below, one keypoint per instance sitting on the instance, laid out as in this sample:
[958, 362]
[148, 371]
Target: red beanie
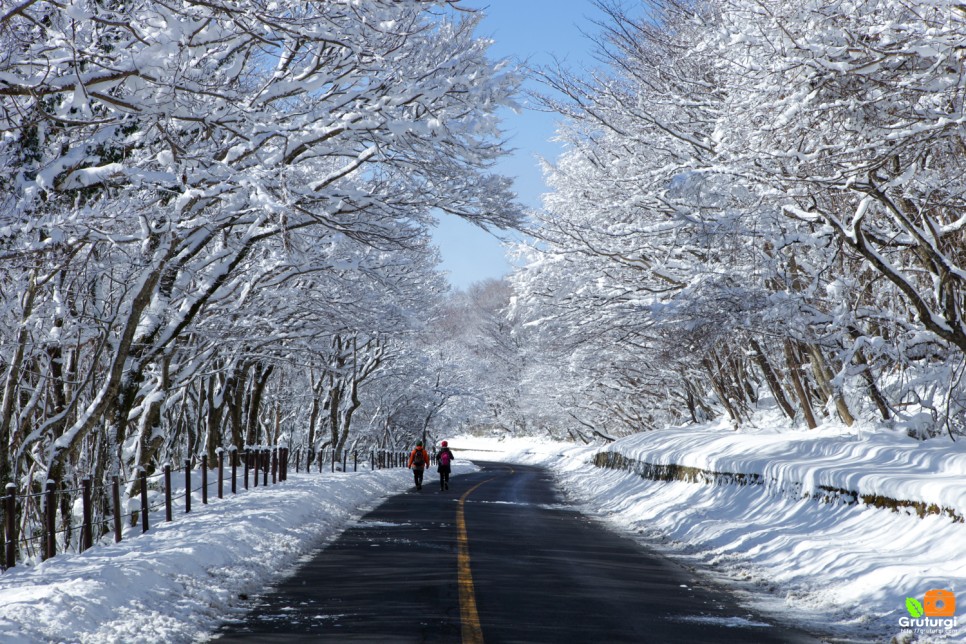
[444, 443]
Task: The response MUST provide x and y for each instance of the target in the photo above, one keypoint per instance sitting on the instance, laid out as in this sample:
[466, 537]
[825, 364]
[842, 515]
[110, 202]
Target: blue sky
[523, 30]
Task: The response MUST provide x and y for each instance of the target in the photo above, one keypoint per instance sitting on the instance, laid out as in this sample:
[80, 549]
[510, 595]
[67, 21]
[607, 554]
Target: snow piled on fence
[841, 569]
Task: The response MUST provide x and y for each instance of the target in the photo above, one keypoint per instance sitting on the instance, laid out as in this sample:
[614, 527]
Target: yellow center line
[469, 619]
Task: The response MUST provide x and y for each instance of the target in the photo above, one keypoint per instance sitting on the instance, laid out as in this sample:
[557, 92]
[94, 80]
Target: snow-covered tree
[759, 200]
[203, 195]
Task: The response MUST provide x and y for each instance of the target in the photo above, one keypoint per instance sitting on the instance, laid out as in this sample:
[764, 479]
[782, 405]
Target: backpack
[444, 458]
[418, 459]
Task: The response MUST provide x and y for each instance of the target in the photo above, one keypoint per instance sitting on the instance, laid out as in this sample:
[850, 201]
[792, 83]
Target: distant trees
[476, 358]
[761, 198]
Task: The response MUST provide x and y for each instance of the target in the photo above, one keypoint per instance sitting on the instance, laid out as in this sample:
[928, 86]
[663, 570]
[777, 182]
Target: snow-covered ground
[848, 569]
[177, 581]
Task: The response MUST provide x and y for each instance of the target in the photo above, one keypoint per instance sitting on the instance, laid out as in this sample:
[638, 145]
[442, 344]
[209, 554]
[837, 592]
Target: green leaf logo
[914, 607]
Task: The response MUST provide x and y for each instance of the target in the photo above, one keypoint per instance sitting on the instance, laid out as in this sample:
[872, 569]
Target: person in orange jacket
[418, 460]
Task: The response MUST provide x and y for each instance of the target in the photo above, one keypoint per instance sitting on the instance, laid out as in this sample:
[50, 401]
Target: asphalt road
[497, 558]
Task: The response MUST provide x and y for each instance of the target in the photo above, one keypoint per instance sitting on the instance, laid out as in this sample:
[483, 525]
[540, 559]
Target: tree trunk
[698, 400]
[777, 391]
[235, 402]
[866, 372]
[739, 367]
[824, 378]
[314, 414]
[215, 402]
[259, 380]
[10, 387]
[794, 372]
[720, 390]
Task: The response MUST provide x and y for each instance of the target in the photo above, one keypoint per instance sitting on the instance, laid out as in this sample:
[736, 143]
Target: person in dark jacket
[418, 460]
[444, 460]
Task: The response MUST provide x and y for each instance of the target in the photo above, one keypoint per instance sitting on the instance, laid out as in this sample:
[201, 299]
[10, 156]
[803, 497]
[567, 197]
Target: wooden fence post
[298, 455]
[87, 534]
[50, 518]
[143, 476]
[233, 455]
[355, 460]
[274, 457]
[345, 460]
[187, 486]
[116, 494]
[245, 453]
[256, 455]
[204, 479]
[266, 458]
[10, 529]
[221, 473]
[167, 492]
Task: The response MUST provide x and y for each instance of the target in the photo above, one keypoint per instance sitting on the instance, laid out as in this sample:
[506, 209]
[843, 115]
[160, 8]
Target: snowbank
[177, 581]
[883, 464]
[845, 569]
